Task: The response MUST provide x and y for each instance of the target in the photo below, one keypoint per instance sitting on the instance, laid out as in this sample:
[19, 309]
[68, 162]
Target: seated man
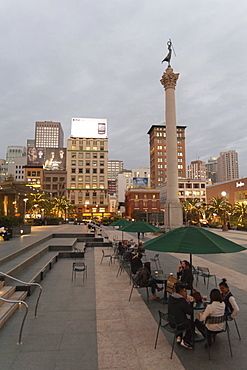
[135, 262]
[179, 309]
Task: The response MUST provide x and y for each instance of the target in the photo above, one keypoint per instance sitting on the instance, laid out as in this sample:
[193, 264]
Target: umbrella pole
[191, 271]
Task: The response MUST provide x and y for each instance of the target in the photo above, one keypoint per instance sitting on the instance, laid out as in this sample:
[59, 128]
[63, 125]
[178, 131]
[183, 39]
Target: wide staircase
[22, 271]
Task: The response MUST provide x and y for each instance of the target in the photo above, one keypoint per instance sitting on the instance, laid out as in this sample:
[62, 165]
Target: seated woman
[145, 279]
[231, 306]
[215, 308]
[140, 248]
[185, 274]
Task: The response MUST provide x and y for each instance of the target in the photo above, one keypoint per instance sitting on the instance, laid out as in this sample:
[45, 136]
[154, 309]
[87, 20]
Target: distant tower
[173, 209]
[48, 134]
[197, 170]
[228, 166]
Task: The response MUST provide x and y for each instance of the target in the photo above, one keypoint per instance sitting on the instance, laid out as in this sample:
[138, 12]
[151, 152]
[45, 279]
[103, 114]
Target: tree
[61, 206]
[192, 208]
[218, 206]
[240, 210]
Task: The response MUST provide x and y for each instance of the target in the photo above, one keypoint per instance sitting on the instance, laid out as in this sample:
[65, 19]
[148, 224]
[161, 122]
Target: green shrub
[10, 221]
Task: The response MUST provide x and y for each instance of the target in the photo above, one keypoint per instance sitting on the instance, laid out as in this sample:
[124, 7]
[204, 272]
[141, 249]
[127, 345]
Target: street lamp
[25, 206]
[198, 210]
[224, 227]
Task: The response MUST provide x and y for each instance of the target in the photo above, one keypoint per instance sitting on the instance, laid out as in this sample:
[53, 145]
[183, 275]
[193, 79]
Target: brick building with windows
[157, 143]
[143, 200]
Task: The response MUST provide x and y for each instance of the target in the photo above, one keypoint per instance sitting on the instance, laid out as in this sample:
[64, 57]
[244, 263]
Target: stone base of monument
[173, 216]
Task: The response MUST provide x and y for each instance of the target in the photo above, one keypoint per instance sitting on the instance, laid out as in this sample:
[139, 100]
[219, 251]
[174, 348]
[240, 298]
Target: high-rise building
[157, 143]
[228, 166]
[212, 169]
[114, 167]
[197, 170]
[15, 151]
[87, 169]
[48, 134]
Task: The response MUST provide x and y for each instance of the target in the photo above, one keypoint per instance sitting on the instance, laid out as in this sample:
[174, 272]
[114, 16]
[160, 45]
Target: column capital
[169, 79]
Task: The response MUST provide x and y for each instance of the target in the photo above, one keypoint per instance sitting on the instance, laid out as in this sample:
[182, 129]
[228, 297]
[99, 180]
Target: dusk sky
[102, 59]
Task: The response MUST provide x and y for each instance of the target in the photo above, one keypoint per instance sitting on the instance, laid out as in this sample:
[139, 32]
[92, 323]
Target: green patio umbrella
[121, 222]
[192, 240]
[140, 227]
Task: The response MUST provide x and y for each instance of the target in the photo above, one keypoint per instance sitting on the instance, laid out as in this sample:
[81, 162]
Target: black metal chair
[169, 324]
[135, 285]
[217, 320]
[156, 260]
[236, 326]
[205, 274]
[106, 256]
[79, 267]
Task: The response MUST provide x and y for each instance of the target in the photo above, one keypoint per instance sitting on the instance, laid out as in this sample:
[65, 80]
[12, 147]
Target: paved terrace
[92, 325]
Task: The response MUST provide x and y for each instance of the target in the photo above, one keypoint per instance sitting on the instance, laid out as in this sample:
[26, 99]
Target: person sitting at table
[140, 248]
[179, 308]
[232, 308]
[135, 262]
[185, 275]
[145, 279]
[215, 308]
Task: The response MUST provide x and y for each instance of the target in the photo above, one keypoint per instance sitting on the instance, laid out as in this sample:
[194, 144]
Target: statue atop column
[169, 55]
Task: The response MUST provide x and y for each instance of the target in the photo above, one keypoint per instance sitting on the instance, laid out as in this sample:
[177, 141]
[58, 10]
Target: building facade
[187, 189]
[157, 144]
[114, 168]
[87, 176]
[228, 166]
[143, 200]
[212, 169]
[48, 134]
[236, 191]
[197, 170]
[55, 183]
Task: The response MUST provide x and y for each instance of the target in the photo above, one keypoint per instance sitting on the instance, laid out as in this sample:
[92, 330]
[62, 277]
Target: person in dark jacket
[135, 262]
[179, 309]
[145, 279]
[185, 275]
[232, 308]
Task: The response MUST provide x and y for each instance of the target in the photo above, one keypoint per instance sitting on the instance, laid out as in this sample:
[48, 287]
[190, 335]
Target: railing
[28, 284]
[22, 302]
[24, 318]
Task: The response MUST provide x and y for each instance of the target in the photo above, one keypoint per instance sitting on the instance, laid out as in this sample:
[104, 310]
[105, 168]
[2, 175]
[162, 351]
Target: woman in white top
[231, 306]
[215, 308]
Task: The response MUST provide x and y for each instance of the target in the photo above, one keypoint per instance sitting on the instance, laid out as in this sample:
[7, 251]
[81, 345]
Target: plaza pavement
[92, 325]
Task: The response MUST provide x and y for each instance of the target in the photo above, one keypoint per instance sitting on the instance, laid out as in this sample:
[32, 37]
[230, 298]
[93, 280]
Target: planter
[20, 230]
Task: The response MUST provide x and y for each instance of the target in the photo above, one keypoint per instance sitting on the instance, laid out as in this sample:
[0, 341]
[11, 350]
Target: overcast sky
[102, 59]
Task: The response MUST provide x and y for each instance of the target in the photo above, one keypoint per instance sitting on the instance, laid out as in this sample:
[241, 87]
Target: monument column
[173, 209]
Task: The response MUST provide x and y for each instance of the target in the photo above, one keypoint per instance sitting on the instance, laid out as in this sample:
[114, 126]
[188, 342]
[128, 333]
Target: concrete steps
[32, 262]
[8, 308]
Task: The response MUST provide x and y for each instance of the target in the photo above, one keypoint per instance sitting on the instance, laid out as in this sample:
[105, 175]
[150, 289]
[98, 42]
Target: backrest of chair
[79, 266]
[163, 316]
[204, 270]
[216, 319]
[170, 285]
[156, 256]
[103, 252]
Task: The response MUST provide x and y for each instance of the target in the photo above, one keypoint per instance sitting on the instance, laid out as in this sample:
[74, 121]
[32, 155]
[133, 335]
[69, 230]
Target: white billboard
[89, 127]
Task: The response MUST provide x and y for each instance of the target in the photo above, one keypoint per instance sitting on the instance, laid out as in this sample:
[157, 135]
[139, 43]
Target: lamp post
[198, 215]
[224, 226]
[25, 207]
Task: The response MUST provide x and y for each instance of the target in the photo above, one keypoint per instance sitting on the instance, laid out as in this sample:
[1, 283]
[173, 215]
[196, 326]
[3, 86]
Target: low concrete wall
[21, 230]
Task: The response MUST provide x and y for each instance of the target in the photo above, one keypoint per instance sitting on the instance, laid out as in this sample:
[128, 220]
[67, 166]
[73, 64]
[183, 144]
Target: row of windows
[87, 155]
[191, 185]
[87, 178]
[87, 186]
[87, 170]
[55, 179]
